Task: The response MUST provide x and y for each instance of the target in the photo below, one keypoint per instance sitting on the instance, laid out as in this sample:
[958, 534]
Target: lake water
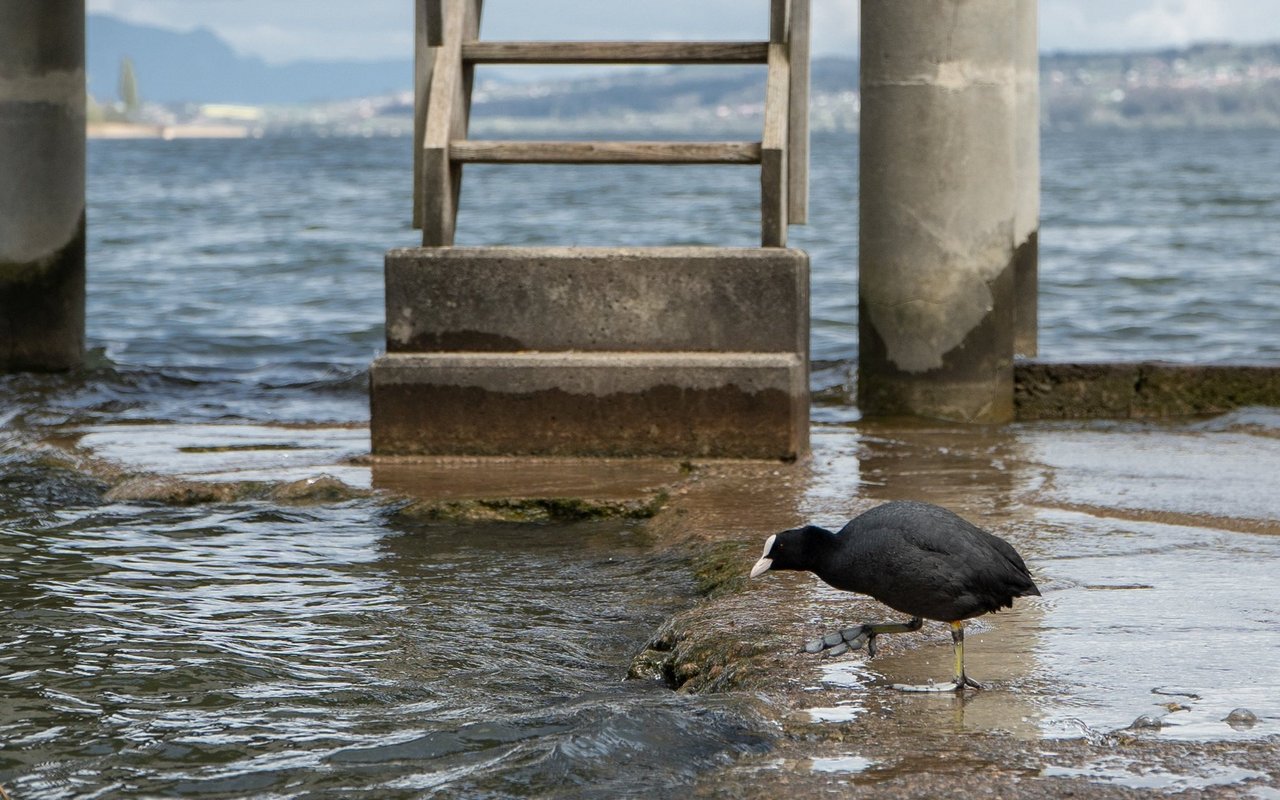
[229, 651]
[244, 278]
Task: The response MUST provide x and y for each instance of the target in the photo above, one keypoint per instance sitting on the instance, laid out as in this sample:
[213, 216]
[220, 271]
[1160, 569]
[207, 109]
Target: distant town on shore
[152, 82]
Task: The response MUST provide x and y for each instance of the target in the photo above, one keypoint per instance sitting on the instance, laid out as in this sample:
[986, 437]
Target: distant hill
[198, 67]
[1204, 85]
[670, 90]
[1207, 85]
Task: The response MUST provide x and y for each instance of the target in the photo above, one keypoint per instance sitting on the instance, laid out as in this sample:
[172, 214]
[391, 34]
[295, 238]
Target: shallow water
[1154, 545]
[250, 650]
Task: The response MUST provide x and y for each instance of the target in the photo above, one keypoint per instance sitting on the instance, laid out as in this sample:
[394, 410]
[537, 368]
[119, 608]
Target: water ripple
[243, 650]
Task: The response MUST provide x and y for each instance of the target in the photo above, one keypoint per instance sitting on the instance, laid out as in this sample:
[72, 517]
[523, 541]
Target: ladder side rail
[462, 118]
[773, 151]
[434, 11]
[444, 101]
[423, 61]
[798, 123]
[779, 13]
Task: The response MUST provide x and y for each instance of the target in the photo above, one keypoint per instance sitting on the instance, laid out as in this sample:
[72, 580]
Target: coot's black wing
[926, 561]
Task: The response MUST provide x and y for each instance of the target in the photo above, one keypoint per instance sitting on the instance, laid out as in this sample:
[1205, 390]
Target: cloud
[1128, 24]
[836, 24]
[1177, 22]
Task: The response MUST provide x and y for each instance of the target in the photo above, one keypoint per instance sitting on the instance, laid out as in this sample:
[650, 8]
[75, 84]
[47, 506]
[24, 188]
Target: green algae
[534, 509]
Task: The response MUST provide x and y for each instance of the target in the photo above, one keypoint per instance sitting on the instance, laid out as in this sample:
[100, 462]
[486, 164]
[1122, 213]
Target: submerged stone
[539, 509]
[174, 491]
[1241, 718]
[1147, 722]
[319, 489]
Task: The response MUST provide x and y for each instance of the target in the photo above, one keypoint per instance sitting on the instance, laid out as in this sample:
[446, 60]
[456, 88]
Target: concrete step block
[686, 404]
[661, 299]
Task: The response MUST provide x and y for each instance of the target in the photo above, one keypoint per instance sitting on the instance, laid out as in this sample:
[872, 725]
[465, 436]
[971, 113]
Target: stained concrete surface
[663, 299]
[1154, 544]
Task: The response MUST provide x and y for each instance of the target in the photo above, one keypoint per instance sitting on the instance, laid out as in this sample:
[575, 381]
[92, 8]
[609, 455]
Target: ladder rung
[495, 152]
[616, 52]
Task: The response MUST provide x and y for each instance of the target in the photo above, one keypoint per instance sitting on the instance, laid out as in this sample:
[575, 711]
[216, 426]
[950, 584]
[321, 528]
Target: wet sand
[1154, 545]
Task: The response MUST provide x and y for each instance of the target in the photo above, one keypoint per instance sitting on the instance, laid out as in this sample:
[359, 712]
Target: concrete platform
[667, 351]
[711, 405]
[663, 299]
[1139, 389]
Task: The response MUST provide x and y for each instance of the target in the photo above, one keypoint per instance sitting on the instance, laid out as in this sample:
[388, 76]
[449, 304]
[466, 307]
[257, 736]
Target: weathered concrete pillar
[1026, 275]
[42, 166]
[938, 201]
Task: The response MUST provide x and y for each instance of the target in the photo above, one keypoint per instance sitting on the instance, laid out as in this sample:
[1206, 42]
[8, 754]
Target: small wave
[1255, 420]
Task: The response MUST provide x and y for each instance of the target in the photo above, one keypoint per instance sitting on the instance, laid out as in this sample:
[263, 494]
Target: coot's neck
[819, 546]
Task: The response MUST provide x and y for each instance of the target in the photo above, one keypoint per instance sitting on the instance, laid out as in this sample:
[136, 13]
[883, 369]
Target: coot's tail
[1017, 577]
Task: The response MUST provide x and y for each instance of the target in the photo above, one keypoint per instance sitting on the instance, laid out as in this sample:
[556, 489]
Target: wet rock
[652, 665]
[1241, 718]
[722, 567]
[696, 652]
[175, 491]
[540, 509]
[320, 489]
[1146, 722]
[47, 478]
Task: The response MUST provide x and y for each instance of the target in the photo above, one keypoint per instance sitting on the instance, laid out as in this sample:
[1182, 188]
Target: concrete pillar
[1026, 276]
[42, 166]
[938, 202]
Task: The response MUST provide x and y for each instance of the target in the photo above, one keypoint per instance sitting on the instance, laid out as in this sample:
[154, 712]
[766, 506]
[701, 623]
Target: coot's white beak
[762, 566]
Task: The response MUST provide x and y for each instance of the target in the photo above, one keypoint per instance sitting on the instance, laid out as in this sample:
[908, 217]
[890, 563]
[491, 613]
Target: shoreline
[131, 130]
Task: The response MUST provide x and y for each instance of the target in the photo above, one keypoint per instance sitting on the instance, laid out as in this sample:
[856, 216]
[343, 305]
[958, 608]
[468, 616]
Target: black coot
[917, 558]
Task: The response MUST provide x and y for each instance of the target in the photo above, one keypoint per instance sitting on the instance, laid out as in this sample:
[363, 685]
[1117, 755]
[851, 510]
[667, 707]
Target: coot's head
[793, 549]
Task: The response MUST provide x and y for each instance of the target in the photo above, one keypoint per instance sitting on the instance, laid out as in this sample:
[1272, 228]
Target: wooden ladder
[448, 50]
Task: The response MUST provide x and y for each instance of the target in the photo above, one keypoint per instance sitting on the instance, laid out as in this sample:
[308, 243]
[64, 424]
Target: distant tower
[129, 88]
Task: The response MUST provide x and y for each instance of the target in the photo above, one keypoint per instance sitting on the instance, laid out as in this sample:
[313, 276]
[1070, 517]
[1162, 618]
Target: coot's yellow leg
[961, 680]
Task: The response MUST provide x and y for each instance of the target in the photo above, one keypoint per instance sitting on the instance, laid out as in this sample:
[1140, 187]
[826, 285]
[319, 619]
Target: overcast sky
[289, 30]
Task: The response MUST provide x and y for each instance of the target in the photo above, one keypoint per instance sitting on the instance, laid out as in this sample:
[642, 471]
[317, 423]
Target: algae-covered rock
[722, 567]
[176, 491]
[46, 477]
[539, 509]
[702, 650]
[320, 489]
